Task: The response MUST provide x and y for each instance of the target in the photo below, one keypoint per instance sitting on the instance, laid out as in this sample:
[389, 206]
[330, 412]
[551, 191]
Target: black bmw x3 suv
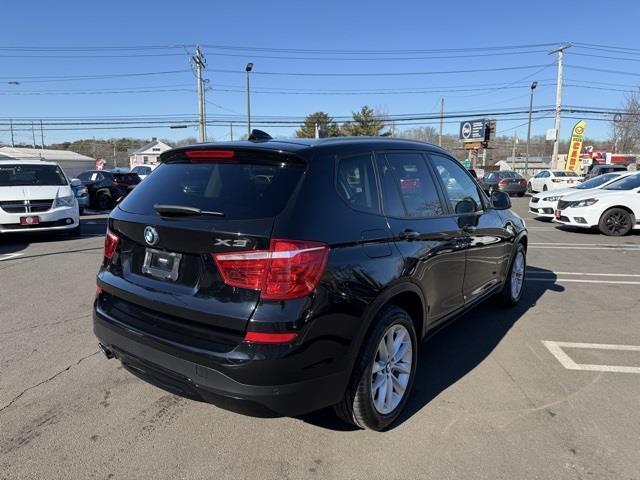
[280, 277]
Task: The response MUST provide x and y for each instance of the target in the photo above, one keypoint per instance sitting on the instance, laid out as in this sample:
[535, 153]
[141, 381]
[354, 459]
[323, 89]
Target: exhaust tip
[107, 353]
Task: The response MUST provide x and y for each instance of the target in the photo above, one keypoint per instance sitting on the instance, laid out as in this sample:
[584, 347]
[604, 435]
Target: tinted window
[418, 192]
[461, 189]
[391, 201]
[239, 190]
[491, 177]
[356, 183]
[13, 175]
[625, 183]
[142, 170]
[128, 178]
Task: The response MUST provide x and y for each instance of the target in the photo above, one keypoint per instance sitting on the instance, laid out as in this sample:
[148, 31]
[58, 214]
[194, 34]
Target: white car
[36, 196]
[552, 180]
[544, 204]
[144, 170]
[614, 209]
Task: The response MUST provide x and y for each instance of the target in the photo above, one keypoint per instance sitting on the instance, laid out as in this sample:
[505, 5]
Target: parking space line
[611, 249]
[9, 256]
[575, 280]
[570, 244]
[585, 274]
[556, 349]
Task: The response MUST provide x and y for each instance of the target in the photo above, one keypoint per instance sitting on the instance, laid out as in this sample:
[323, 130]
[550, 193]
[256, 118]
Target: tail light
[502, 181]
[111, 242]
[556, 180]
[289, 269]
[523, 182]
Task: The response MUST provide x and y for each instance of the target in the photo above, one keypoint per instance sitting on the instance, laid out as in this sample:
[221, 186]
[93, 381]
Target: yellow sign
[575, 147]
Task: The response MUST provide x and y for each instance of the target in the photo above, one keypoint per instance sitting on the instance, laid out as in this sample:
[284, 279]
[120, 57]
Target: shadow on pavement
[455, 350]
[16, 242]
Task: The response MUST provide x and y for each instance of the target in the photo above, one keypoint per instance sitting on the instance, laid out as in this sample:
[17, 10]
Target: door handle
[468, 229]
[409, 235]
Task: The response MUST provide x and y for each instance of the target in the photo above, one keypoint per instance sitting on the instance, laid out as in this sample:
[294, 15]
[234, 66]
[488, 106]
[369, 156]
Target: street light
[248, 68]
[526, 162]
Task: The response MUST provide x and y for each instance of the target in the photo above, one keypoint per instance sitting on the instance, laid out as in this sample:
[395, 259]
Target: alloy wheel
[517, 275]
[391, 369]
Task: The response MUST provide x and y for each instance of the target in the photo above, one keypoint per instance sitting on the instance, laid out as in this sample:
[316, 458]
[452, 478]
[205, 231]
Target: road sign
[472, 130]
[473, 145]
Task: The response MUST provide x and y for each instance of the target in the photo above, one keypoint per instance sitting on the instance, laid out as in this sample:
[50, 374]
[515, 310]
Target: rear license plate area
[30, 220]
[161, 264]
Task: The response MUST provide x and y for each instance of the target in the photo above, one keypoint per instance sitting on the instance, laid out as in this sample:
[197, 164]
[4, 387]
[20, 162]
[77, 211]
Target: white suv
[36, 196]
[614, 209]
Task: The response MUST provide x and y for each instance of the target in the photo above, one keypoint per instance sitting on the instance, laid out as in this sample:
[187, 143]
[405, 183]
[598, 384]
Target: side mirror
[500, 200]
[466, 206]
[75, 182]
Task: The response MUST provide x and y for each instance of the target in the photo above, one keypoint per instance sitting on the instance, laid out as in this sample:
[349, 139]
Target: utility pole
[526, 162]
[560, 52]
[41, 135]
[33, 134]
[231, 130]
[513, 150]
[13, 144]
[317, 131]
[200, 63]
[441, 120]
[114, 155]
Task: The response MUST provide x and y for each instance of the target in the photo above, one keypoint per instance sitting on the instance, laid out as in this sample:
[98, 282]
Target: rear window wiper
[180, 210]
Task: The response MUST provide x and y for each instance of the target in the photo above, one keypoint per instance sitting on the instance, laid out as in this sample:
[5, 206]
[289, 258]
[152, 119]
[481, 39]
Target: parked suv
[600, 169]
[281, 277]
[105, 188]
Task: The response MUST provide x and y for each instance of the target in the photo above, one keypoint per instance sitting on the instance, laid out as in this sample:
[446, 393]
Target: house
[71, 162]
[147, 154]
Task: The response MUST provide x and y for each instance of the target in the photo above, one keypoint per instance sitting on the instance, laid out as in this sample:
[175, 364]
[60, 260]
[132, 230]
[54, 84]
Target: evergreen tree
[364, 123]
[325, 123]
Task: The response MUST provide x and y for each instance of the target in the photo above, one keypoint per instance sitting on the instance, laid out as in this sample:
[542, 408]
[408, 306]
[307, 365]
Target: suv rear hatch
[163, 275]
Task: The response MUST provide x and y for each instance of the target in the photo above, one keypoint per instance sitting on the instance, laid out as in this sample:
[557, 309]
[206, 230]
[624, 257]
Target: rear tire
[363, 404]
[514, 282]
[104, 201]
[616, 222]
[544, 188]
[521, 194]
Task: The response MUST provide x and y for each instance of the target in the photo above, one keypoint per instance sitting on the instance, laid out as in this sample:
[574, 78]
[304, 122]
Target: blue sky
[327, 25]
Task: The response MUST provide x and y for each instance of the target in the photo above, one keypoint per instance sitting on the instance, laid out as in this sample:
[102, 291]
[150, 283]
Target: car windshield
[562, 173]
[16, 175]
[625, 183]
[597, 181]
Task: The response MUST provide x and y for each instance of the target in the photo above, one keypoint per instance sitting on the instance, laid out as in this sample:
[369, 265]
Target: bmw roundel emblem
[151, 236]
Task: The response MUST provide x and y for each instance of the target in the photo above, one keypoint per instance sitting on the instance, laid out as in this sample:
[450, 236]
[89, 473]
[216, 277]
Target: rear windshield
[561, 173]
[597, 181]
[625, 183]
[240, 191]
[129, 178]
[14, 175]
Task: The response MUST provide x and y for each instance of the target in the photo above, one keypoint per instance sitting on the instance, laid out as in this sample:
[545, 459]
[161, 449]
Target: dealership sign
[472, 130]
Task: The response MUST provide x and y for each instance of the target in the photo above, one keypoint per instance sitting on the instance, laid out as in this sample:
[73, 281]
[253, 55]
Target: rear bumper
[148, 360]
[513, 189]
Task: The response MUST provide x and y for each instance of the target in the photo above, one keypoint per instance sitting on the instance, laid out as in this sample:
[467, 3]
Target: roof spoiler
[259, 136]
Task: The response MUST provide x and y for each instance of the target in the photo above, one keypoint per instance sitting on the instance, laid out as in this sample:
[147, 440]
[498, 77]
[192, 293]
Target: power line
[385, 74]
[59, 78]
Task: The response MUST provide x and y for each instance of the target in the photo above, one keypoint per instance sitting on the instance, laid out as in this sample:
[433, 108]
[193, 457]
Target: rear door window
[239, 190]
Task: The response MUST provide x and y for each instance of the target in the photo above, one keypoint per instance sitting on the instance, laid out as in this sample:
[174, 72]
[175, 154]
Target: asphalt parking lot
[549, 389]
